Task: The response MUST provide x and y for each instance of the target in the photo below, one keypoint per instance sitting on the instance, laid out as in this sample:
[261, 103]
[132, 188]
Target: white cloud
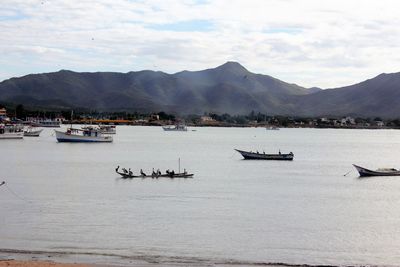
[309, 42]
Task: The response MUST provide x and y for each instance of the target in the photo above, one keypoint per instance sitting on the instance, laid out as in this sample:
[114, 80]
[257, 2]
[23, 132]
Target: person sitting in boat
[142, 173]
[124, 170]
[153, 174]
[130, 172]
[117, 169]
[172, 173]
[167, 171]
[184, 171]
[158, 172]
[279, 151]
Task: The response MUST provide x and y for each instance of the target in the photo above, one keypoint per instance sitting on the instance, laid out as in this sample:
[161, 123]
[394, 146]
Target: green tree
[20, 111]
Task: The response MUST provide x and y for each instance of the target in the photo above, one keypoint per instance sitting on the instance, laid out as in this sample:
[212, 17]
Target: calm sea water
[67, 198]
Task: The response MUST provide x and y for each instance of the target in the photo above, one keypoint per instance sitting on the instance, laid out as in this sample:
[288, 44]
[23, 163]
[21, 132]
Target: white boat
[104, 129]
[90, 135]
[32, 132]
[108, 129]
[273, 128]
[46, 123]
[177, 127]
[11, 132]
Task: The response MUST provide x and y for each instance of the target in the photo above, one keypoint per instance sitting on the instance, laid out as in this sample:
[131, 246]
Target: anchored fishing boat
[272, 128]
[46, 123]
[379, 172]
[32, 132]
[169, 174]
[263, 156]
[83, 135]
[11, 132]
[177, 128]
[108, 129]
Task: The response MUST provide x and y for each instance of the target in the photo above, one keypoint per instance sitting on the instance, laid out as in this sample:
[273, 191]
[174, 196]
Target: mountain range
[229, 88]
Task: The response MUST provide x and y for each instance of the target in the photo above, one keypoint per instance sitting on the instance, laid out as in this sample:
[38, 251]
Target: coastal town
[209, 120]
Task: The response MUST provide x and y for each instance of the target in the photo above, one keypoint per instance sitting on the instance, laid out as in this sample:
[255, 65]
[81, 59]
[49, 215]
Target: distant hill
[229, 88]
[379, 96]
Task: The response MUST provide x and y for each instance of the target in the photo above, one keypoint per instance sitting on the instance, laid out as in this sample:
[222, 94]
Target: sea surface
[66, 199]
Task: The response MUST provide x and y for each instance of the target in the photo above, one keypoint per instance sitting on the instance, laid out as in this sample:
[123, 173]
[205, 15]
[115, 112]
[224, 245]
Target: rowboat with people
[155, 174]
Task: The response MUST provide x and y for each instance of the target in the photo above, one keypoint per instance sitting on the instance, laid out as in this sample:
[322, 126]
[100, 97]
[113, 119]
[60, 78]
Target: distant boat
[104, 129]
[177, 127]
[11, 132]
[32, 132]
[82, 135]
[108, 129]
[263, 156]
[379, 172]
[46, 123]
[274, 128]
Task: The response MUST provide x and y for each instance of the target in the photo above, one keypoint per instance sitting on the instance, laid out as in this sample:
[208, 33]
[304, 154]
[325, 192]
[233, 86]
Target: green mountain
[229, 88]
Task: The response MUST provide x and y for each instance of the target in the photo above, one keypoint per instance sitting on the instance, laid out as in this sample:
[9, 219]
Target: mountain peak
[232, 66]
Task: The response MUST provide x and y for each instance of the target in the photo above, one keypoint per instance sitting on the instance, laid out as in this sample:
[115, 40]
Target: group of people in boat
[155, 173]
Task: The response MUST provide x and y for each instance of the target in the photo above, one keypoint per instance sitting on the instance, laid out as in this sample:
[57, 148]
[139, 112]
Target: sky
[321, 43]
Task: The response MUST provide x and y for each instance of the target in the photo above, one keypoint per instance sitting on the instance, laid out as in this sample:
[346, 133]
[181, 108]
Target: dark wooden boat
[263, 156]
[379, 172]
[127, 175]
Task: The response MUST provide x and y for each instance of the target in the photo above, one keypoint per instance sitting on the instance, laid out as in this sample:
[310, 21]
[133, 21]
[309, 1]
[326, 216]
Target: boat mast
[72, 115]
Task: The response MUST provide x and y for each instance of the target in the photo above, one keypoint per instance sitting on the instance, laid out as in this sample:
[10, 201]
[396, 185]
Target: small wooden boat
[176, 128]
[128, 174]
[263, 156]
[379, 172]
[272, 128]
[32, 133]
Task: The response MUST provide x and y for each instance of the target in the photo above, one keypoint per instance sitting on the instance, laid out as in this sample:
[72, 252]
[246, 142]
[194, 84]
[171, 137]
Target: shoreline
[27, 258]
[227, 125]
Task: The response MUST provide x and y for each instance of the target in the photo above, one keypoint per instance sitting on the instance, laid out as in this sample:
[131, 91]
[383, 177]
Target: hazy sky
[308, 42]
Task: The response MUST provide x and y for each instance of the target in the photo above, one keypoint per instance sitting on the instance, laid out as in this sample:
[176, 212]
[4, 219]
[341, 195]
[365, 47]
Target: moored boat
[108, 129]
[379, 172]
[31, 132]
[11, 132]
[46, 123]
[82, 135]
[273, 128]
[262, 156]
[177, 127]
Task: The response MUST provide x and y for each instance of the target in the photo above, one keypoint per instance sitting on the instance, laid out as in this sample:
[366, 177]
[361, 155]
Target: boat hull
[12, 136]
[263, 156]
[33, 133]
[363, 172]
[176, 175]
[175, 128]
[72, 138]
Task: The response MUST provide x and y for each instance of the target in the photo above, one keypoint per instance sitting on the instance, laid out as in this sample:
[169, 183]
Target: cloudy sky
[325, 43]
